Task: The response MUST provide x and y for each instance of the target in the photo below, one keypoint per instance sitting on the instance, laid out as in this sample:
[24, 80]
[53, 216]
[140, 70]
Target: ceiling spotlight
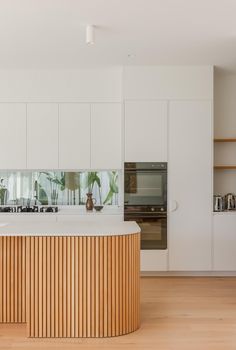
[90, 34]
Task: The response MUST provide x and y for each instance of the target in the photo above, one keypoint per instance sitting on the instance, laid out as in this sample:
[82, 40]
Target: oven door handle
[173, 205]
[136, 218]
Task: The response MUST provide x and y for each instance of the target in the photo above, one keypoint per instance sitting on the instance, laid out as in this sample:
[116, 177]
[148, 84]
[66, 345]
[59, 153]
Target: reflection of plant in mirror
[55, 184]
[3, 192]
[93, 179]
[41, 194]
[58, 188]
[72, 183]
[113, 177]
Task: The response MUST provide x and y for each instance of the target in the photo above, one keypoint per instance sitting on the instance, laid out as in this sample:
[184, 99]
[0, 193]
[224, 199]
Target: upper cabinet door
[74, 136]
[42, 136]
[145, 131]
[106, 136]
[13, 136]
[190, 185]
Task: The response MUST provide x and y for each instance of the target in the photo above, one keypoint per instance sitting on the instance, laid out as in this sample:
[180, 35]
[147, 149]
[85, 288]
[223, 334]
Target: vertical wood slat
[97, 290]
[105, 287]
[92, 288]
[32, 286]
[23, 309]
[109, 285]
[40, 286]
[76, 291]
[12, 279]
[87, 286]
[80, 278]
[84, 288]
[1, 279]
[101, 288]
[36, 283]
[72, 296]
[44, 283]
[56, 288]
[64, 290]
[52, 289]
[60, 308]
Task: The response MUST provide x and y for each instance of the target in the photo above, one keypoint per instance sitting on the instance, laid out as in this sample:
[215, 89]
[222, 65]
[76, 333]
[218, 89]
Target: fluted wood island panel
[83, 286]
[12, 279]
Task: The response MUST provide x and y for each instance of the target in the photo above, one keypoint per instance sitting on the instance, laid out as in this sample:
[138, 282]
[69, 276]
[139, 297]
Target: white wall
[53, 85]
[106, 84]
[224, 127]
[224, 104]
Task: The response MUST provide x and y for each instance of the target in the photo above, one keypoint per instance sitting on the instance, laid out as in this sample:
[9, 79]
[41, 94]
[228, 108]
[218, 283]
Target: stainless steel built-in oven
[146, 202]
[146, 184]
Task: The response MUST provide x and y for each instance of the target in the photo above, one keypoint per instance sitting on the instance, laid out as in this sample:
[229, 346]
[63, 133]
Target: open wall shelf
[225, 167]
[225, 140]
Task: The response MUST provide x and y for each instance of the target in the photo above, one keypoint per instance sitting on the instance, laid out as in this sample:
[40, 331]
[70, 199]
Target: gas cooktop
[28, 209]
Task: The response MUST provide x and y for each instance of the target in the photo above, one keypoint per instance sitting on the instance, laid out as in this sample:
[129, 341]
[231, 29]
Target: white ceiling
[49, 34]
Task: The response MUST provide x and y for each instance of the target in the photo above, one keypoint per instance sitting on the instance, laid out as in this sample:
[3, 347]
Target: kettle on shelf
[230, 201]
[218, 203]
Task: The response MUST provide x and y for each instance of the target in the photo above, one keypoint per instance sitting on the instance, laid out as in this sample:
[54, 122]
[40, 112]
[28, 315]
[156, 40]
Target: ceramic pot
[90, 202]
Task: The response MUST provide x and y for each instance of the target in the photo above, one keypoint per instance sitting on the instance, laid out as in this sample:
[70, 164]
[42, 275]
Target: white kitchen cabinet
[42, 136]
[74, 136]
[106, 138]
[13, 136]
[153, 260]
[190, 185]
[224, 242]
[145, 131]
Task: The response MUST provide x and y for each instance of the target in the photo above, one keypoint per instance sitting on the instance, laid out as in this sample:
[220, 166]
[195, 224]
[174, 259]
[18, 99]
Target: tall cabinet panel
[146, 131]
[106, 136]
[190, 185]
[13, 136]
[42, 136]
[74, 136]
[224, 241]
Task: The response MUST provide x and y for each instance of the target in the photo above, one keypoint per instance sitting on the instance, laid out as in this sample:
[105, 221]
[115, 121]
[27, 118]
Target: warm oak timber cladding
[12, 279]
[83, 286]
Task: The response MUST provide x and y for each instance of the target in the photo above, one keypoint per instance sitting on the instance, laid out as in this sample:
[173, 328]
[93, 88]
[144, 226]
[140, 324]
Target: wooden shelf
[225, 167]
[225, 140]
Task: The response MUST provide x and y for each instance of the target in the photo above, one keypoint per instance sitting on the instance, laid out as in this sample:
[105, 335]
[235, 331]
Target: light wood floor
[177, 313]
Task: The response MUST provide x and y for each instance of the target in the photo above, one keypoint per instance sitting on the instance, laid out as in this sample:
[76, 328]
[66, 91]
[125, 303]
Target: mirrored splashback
[58, 187]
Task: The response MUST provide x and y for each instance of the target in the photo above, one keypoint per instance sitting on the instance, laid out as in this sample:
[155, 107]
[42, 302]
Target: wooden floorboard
[177, 313]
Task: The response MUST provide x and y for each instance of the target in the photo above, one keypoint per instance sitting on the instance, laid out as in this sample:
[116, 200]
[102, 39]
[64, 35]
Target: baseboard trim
[188, 273]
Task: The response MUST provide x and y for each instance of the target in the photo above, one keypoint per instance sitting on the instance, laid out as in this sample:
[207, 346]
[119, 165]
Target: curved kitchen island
[82, 278]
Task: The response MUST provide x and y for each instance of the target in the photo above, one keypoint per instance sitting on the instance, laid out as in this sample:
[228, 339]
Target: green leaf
[113, 179]
[108, 197]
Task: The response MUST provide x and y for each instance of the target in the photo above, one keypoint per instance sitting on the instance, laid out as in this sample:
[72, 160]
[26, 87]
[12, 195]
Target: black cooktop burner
[7, 209]
[28, 209]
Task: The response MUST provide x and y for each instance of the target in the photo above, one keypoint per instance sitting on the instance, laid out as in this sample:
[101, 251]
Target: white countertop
[81, 228]
[229, 212]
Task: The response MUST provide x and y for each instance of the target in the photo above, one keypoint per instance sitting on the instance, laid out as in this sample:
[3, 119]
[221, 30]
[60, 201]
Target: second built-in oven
[153, 224]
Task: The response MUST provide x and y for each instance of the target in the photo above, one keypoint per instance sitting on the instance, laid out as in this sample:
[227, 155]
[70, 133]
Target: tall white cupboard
[190, 185]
